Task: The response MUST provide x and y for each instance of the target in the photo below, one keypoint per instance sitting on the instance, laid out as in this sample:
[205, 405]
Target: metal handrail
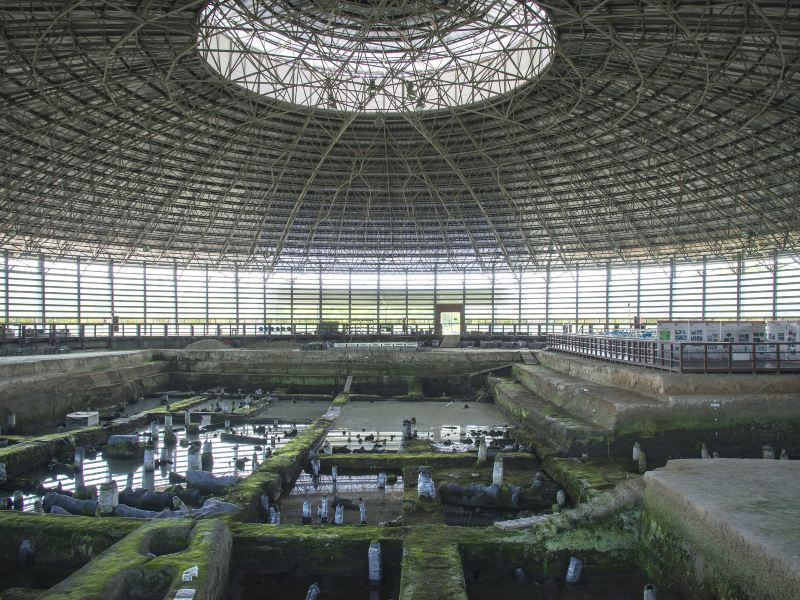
[683, 357]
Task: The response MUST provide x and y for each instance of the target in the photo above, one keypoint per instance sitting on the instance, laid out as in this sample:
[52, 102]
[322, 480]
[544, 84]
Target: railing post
[753, 356]
[730, 358]
[680, 358]
[705, 358]
[777, 357]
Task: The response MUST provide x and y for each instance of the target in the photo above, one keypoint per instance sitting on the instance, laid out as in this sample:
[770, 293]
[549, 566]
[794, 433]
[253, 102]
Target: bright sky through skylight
[387, 55]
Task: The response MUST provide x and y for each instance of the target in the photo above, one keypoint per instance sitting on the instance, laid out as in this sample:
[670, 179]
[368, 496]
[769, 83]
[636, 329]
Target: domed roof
[633, 131]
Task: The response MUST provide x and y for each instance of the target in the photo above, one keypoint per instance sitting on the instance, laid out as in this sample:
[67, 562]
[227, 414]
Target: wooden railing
[683, 357]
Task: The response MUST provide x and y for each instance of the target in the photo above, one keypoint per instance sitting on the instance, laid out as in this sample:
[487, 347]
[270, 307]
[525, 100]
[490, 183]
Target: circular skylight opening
[377, 55]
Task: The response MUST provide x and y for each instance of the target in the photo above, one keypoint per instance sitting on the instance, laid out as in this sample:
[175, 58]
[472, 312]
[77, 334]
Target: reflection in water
[229, 458]
[381, 499]
[306, 484]
[444, 438]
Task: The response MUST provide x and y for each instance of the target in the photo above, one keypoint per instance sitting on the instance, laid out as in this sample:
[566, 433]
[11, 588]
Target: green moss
[431, 569]
[20, 594]
[705, 418]
[125, 449]
[178, 405]
[417, 446]
[431, 552]
[374, 463]
[209, 548]
[583, 480]
[326, 541]
[610, 542]
[545, 422]
[415, 510]
[690, 562]
[282, 468]
[340, 400]
[127, 566]
[668, 560]
[61, 540]
[304, 533]
[415, 391]
[170, 439]
[110, 574]
[35, 452]
[312, 549]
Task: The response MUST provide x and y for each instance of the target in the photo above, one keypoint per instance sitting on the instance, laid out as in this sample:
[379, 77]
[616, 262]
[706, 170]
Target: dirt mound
[207, 345]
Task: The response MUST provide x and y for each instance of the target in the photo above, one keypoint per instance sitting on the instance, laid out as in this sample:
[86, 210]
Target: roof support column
[774, 284]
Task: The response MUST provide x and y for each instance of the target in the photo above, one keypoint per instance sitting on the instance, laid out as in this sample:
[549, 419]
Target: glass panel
[95, 293]
[721, 291]
[24, 291]
[393, 300]
[335, 298]
[506, 301]
[221, 297]
[654, 284]
[788, 287]
[129, 292]
[192, 298]
[534, 286]
[61, 292]
[403, 303]
[307, 300]
[562, 299]
[251, 298]
[279, 302]
[622, 296]
[420, 301]
[451, 323]
[592, 300]
[756, 292]
[160, 297]
[478, 305]
[687, 292]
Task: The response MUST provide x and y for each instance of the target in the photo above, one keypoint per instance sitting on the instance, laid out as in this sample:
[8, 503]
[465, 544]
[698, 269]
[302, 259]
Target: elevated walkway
[662, 384]
[570, 405]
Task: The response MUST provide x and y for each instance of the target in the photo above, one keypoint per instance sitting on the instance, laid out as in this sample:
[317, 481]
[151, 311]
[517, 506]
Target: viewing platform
[682, 357]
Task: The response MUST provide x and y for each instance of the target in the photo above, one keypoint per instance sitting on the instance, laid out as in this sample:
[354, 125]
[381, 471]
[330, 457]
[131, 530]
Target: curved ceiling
[377, 55]
[654, 133]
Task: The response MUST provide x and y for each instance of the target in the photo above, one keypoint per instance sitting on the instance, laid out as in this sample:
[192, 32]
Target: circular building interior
[399, 299]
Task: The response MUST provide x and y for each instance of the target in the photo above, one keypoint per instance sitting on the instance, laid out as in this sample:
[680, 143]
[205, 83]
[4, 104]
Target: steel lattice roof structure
[656, 130]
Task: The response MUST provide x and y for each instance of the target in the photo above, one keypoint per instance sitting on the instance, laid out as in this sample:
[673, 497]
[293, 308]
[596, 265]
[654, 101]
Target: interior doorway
[449, 319]
[450, 322]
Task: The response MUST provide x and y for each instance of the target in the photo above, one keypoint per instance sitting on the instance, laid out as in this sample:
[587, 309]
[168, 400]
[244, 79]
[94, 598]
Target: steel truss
[657, 131]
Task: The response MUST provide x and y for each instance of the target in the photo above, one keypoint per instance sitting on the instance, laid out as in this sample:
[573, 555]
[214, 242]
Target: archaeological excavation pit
[527, 482]
[399, 299]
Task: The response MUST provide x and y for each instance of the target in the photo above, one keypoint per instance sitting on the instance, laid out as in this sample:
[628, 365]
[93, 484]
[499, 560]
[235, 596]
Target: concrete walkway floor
[32, 358]
[739, 517]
